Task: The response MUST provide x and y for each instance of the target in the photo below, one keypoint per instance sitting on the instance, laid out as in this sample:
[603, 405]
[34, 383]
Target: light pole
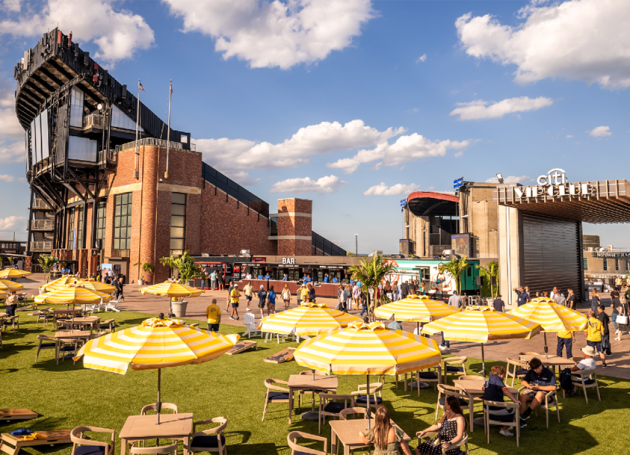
[356, 242]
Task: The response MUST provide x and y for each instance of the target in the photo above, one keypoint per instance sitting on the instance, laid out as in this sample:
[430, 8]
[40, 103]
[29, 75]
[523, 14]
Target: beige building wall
[509, 252]
[481, 220]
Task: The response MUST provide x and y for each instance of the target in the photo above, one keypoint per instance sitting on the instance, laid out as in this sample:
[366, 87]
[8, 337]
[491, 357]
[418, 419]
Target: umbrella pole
[158, 405]
[483, 362]
[546, 347]
[369, 403]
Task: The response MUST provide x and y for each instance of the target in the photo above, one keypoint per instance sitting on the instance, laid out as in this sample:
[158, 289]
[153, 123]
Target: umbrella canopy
[368, 349]
[306, 320]
[415, 309]
[63, 281]
[6, 285]
[172, 288]
[97, 286]
[3, 295]
[72, 295]
[13, 273]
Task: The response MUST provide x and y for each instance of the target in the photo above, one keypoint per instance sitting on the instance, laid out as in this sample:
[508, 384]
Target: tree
[456, 267]
[146, 267]
[371, 272]
[185, 264]
[46, 263]
[490, 270]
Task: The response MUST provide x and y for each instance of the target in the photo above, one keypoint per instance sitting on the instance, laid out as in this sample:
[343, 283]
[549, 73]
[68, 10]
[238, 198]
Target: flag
[171, 89]
[140, 85]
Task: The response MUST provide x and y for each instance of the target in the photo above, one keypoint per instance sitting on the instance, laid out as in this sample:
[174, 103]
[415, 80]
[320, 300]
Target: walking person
[271, 301]
[116, 285]
[213, 280]
[347, 298]
[204, 277]
[616, 306]
[262, 300]
[286, 296]
[249, 294]
[311, 293]
[565, 340]
[595, 301]
[213, 314]
[593, 335]
[618, 283]
[340, 297]
[121, 284]
[605, 320]
[234, 296]
[623, 319]
[570, 301]
[229, 296]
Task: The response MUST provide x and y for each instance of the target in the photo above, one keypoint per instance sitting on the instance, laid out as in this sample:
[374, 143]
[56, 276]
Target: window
[80, 227]
[585, 263]
[178, 223]
[627, 264]
[71, 245]
[101, 214]
[605, 264]
[273, 226]
[122, 224]
[617, 264]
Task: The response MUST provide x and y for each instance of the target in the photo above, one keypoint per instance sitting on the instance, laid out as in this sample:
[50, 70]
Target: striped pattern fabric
[3, 294]
[72, 294]
[551, 316]
[6, 285]
[172, 288]
[480, 325]
[92, 285]
[13, 273]
[156, 343]
[307, 320]
[368, 349]
[60, 282]
[414, 309]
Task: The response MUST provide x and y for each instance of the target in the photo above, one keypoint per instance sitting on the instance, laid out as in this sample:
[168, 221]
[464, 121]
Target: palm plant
[371, 272]
[490, 270]
[456, 267]
[46, 263]
[185, 264]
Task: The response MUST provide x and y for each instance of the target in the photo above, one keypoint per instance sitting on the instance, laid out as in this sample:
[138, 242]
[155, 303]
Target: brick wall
[294, 223]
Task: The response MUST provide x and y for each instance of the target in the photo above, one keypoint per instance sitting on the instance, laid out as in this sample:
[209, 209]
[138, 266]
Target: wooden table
[172, 426]
[306, 382]
[13, 444]
[474, 388]
[88, 320]
[552, 360]
[347, 431]
[71, 334]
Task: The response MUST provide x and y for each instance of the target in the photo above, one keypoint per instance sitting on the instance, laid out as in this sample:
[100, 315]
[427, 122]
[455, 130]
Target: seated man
[11, 303]
[587, 363]
[495, 389]
[538, 381]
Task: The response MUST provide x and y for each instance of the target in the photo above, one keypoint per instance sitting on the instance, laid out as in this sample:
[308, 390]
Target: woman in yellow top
[304, 294]
[234, 295]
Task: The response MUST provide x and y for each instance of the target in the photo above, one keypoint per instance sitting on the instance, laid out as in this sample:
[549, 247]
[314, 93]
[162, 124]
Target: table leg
[123, 446]
[186, 442]
[333, 442]
[290, 404]
[471, 410]
[346, 450]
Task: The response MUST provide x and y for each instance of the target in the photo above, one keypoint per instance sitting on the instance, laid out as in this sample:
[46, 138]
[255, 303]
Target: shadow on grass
[244, 436]
[267, 448]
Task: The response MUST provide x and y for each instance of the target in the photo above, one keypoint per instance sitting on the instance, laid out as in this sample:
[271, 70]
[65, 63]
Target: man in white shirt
[587, 363]
[559, 297]
[554, 293]
[356, 295]
[455, 301]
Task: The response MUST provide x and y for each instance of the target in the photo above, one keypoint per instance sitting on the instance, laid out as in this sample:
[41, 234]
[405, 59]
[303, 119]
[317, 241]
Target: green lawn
[68, 395]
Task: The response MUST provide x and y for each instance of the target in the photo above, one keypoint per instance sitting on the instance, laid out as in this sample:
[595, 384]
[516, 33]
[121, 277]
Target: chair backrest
[46, 338]
[250, 319]
[586, 374]
[296, 448]
[352, 411]
[152, 407]
[455, 360]
[77, 436]
[471, 376]
[450, 390]
[516, 362]
[170, 450]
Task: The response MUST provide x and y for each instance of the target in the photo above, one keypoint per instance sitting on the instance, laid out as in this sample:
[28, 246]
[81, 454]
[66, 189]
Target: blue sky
[354, 104]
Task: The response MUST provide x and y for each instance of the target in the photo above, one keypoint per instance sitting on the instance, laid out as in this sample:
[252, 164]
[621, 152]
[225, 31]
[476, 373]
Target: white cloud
[480, 109]
[510, 179]
[118, 34]
[11, 5]
[326, 184]
[405, 149]
[274, 33]
[12, 222]
[422, 58]
[569, 136]
[11, 178]
[229, 155]
[600, 131]
[586, 40]
[383, 190]
[11, 151]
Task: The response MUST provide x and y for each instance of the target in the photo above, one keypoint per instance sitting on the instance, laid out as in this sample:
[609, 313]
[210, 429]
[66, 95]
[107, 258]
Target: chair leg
[265, 410]
[597, 388]
[585, 394]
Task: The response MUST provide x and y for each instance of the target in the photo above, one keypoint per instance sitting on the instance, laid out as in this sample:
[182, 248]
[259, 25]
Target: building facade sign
[288, 261]
[555, 184]
[610, 254]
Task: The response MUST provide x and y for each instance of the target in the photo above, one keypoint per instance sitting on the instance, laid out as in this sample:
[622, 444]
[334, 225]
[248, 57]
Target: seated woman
[387, 440]
[451, 427]
[495, 389]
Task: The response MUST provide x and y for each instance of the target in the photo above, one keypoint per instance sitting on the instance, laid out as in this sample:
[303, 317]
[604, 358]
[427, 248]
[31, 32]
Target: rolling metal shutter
[551, 254]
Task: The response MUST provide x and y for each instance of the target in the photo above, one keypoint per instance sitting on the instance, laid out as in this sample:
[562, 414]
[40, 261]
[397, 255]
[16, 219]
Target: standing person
[221, 281]
[455, 301]
[213, 313]
[286, 296]
[605, 320]
[347, 298]
[229, 296]
[559, 298]
[499, 304]
[522, 296]
[304, 294]
[452, 427]
[387, 440]
[618, 283]
[593, 335]
[11, 303]
[623, 311]
[494, 389]
[423, 288]
[395, 291]
[262, 300]
[311, 293]
[404, 289]
[285, 277]
[213, 280]
[537, 382]
[121, 285]
[616, 306]
[356, 294]
[249, 294]
[364, 305]
[553, 294]
[234, 296]
[388, 291]
[340, 299]
[204, 277]
[271, 301]
[565, 339]
[326, 277]
[595, 301]
[116, 285]
[570, 302]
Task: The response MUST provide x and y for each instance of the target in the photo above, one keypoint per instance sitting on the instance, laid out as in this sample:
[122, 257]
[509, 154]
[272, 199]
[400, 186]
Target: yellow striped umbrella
[72, 294]
[3, 294]
[551, 317]
[155, 344]
[415, 309]
[97, 286]
[59, 282]
[172, 288]
[13, 273]
[307, 320]
[480, 325]
[6, 285]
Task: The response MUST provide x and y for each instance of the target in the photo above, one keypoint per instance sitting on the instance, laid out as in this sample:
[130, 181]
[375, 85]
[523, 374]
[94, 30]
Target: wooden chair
[330, 407]
[45, 342]
[354, 411]
[474, 377]
[167, 450]
[42, 315]
[551, 399]
[375, 393]
[212, 440]
[580, 378]
[301, 450]
[65, 347]
[12, 322]
[108, 326]
[450, 365]
[82, 446]
[431, 375]
[275, 393]
[534, 354]
[153, 407]
[487, 420]
[515, 368]
[313, 391]
[462, 442]
[447, 390]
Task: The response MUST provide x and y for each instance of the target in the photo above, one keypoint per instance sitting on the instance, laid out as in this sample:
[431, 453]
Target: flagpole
[168, 130]
[137, 174]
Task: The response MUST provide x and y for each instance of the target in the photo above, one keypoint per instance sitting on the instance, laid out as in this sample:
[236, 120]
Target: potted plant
[187, 270]
[147, 267]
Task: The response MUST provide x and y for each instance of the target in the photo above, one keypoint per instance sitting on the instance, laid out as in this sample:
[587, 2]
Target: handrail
[150, 141]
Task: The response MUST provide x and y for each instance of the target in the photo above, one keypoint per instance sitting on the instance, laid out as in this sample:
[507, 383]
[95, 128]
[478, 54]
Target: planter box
[179, 309]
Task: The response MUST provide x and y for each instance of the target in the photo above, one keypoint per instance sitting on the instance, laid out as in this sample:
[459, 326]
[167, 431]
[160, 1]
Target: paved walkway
[618, 364]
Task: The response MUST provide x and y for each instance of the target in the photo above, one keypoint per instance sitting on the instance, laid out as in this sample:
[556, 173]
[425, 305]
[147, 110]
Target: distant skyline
[355, 104]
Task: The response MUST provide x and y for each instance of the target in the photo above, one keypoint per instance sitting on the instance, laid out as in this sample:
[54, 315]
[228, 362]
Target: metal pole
[136, 175]
[168, 130]
[483, 362]
[509, 256]
[356, 241]
[158, 405]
